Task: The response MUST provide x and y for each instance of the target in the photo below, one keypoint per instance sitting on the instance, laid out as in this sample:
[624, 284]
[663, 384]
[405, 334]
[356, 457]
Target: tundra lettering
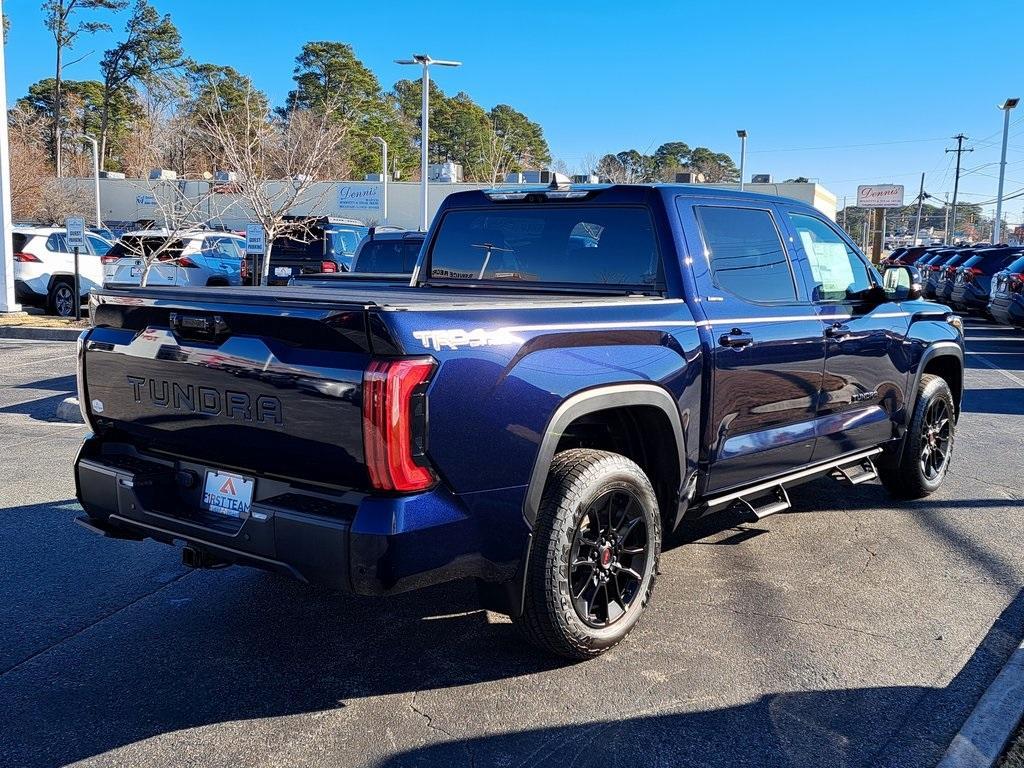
[570, 375]
[207, 400]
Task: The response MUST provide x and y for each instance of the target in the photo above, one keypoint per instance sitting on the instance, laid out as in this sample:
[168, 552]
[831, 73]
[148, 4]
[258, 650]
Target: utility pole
[920, 205]
[945, 217]
[844, 213]
[960, 138]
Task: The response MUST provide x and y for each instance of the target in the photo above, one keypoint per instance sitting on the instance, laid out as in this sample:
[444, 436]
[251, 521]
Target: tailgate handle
[192, 326]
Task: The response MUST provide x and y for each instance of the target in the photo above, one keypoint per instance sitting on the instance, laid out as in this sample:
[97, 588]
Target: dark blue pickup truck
[570, 376]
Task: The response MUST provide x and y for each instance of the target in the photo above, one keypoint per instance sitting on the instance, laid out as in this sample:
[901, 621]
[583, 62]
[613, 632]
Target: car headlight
[957, 322]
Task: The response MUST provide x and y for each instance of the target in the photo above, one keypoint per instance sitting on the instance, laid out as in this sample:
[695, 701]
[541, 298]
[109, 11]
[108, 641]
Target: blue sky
[882, 88]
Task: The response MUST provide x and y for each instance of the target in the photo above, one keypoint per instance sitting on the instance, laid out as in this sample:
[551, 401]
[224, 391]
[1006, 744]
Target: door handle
[736, 339]
[838, 331]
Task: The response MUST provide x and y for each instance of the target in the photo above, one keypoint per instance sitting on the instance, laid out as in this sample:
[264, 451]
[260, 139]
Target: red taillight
[108, 259]
[1016, 282]
[970, 273]
[328, 266]
[950, 271]
[24, 257]
[245, 270]
[186, 262]
[394, 423]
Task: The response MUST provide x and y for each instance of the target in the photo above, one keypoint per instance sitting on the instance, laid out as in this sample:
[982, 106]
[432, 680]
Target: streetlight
[425, 61]
[743, 153]
[384, 177]
[1006, 106]
[95, 172]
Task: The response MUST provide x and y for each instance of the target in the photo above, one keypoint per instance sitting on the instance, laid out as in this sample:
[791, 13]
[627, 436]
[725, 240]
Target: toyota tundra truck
[569, 378]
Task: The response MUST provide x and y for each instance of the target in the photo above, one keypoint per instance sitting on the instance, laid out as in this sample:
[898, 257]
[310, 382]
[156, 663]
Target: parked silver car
[196, 257]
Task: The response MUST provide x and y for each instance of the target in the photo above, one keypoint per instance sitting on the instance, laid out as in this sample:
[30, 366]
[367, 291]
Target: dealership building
[125, 202]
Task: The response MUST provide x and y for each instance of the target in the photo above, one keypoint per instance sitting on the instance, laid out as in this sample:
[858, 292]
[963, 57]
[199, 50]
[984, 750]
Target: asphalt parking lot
[847, 632]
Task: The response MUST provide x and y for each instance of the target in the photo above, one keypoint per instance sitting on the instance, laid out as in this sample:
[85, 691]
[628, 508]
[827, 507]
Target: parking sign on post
[75, 230]
[255, 245]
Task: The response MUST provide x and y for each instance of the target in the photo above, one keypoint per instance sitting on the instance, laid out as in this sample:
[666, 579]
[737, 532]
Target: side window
[99, 246]
[57, 242]
[746, 254]
[839, 272]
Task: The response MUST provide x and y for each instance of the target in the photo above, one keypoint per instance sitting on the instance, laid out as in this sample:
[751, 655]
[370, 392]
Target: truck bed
[384, 295]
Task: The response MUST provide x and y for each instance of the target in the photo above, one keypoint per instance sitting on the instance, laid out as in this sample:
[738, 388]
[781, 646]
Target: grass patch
[44, 321]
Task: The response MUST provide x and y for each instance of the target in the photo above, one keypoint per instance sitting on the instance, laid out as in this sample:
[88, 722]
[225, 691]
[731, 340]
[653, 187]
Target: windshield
[1016, 267]
[136, 247]
[550, 243]
[99, 246]
[393, 255]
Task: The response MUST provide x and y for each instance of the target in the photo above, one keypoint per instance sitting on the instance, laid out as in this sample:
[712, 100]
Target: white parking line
[985, 361]
[44, 361]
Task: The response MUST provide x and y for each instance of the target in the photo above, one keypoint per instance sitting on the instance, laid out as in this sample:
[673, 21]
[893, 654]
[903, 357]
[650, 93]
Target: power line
[844, 146]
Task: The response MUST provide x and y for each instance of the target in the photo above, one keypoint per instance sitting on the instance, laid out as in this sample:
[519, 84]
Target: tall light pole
[425, 61]
[384, 177]
[95, 173]
[743, 154]
[997, 232]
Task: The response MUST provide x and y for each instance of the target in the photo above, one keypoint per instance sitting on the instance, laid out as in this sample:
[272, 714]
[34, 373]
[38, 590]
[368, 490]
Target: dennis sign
[880, 196]
[359, 198]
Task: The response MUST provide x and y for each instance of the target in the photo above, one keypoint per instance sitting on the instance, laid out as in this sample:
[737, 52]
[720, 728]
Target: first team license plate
[227, 494]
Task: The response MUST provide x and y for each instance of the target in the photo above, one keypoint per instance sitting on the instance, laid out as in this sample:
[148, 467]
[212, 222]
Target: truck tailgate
[267, 391]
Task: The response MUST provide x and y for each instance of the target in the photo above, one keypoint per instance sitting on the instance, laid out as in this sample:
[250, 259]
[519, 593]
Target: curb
[68, 410]
[982, 739]
[39, 334]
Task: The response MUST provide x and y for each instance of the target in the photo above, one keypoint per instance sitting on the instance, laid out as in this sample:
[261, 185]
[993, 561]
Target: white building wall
[130, 200]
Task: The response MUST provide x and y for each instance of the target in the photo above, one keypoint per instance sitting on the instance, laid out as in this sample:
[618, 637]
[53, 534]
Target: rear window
[390, 255]
[746, 254]
[346, 241]
[144, 247]
[1016, 267]
[588, 245]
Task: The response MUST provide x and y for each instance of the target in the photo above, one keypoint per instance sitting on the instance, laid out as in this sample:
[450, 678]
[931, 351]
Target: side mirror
[902, 283]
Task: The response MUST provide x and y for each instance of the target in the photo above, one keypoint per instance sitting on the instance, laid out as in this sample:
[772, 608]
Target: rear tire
[927, 446]
[60, 299]
[592, 568]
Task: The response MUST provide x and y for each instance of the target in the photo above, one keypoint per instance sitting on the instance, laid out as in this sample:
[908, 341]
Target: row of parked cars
[982, 279]
[44, 266]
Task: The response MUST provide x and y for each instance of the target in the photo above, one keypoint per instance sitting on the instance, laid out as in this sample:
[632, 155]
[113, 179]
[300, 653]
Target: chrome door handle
[736, 339]
[838, 331]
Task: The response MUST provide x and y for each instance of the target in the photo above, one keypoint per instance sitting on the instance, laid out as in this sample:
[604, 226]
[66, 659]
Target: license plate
[227, 494]
[282, 271]
[136, 271]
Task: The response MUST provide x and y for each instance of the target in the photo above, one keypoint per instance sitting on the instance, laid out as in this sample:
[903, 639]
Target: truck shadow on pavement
[210, 647]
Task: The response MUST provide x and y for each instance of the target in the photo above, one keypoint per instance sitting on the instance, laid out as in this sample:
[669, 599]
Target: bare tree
[30, 164]
[498, 156]
[279, 160]
[181, 206]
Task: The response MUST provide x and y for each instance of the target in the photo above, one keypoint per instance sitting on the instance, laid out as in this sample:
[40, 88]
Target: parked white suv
[44, 268]
[201, 257]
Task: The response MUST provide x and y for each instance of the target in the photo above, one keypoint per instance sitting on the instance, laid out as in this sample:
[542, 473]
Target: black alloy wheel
[608, 558]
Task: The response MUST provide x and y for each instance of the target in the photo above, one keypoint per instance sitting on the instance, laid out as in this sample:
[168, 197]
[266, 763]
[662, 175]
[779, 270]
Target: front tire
[927, 446]
[592, 568]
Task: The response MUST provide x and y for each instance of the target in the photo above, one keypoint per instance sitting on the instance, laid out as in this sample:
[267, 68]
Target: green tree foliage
[486, 143]
[150, 51]
[82, 109]
[330, 74]
[633, 167]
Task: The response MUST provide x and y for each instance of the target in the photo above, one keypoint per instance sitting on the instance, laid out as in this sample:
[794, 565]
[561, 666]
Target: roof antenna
[559, 181]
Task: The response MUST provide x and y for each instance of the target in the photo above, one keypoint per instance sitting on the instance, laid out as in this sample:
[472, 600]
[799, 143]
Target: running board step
[764, 504]
[856, 472]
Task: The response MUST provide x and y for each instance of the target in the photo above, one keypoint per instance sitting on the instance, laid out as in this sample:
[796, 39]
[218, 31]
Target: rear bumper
[968, 297]
[1008, 312]
[346, 541]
